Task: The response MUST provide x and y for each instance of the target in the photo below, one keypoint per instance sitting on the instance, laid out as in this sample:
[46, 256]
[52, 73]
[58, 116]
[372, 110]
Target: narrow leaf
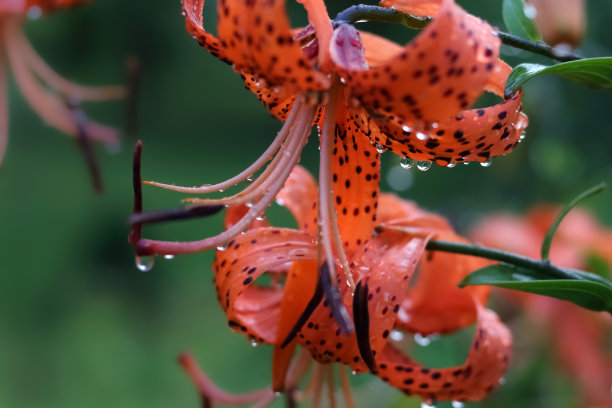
[545, 251]
[592, 72]
[518, 18]
[590, 292]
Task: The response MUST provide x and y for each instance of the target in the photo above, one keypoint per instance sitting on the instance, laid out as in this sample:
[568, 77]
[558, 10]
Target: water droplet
[406, 128]
[343, 80]
[183, 13]
[406, 162]
[145, 263]
[457, 404]
[221, 190]
[260, 218]
[435, 125]
[250, 204]
[354, 372]
[423, 165]
[280, 202]
[277, 394]
[250, 178]
[451, 165]
[486, 163]
[428, 404]
[169, 256]
[34, 13]
[397, 335]
[466, 162]
[380, 149]
[425, 341]
[254, 343]
[222, 247]
[421, 136]
[502, 381]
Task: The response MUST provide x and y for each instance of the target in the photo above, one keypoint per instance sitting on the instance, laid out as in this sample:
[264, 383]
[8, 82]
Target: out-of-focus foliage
[82, 327]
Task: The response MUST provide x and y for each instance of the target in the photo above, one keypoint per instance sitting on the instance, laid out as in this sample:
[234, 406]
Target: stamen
[331, 392]
[308, 310]
[136, 230]
[46, 105]
[61, 84]
[173, 214]
[335, 301]
[349, 402]
[265, 157]
[86, 146]
[327, 210]
[298, 368]
[278, 178]
[361, 318]
[211, 393]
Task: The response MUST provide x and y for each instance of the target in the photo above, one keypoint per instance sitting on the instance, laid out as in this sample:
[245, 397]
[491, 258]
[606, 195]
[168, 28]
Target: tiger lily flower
[578, 335]
[34, 76]
[362, 90]
[289, 314]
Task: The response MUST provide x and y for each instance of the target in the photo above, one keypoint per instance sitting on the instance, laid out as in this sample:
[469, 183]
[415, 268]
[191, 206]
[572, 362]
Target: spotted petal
[438, 74]
[478, 376]
[194, 23]
[257, 38]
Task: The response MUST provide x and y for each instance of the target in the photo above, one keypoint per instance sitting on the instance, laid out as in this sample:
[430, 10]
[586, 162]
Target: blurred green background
[81, 326]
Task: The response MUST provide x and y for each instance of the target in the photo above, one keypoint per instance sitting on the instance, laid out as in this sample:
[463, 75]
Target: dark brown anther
[361, 318]
[84, 142]
[335, 301]
[136, 230]
[173, 214]
[310, 308]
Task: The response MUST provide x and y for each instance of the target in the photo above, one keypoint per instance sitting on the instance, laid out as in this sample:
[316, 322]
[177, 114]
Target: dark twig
[360, 13]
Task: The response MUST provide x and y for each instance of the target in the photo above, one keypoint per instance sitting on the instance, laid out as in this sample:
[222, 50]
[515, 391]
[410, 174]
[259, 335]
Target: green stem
[502, 256]
[360, 13]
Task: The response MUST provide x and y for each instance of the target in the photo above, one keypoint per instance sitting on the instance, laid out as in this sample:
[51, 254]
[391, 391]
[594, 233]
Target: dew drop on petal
[254, 343]
[169, 256]
[396, 335]
[457, 404]
[280, 202]
[221, 247]
[380, 149]
[451, 165]
[406, 162]
[502, 381]
[421, 136]
[423, 165]
[406, 128]
[260, 218]
[145, 263]
[486, 163]
[250, 178]
[428, 404]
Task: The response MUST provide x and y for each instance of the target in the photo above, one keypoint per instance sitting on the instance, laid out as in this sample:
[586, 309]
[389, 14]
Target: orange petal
[355, 178]
[478, 376]
[299, 286]
[257, 37]
[300, 196]
[415, 7]
[435, 304]
[277, 100]
[194, 24]
[395, 211]
[441, 72]
[378, 49]
[385, 264]
[473, 135]
[250, 308]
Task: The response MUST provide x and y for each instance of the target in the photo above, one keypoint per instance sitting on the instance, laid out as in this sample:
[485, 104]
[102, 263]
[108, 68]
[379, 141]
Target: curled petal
[194, 24]
[385, 264]
[420, 8]
[355, 178]
[245, 259]
[435, 304]
[438, 74]
[478, 376]
[257, 38]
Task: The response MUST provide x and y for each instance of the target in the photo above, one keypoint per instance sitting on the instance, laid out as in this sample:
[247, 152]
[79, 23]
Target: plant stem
[359, 13]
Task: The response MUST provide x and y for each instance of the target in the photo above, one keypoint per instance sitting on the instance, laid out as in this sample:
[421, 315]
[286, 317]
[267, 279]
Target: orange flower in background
[560, 21]
[298, 312]
[578, 335]
[48, 94]
[362, 90]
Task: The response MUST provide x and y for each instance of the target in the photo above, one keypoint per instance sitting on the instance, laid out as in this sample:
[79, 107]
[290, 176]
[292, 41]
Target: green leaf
[590, 291]
[545, 251]
[591, 72]
[517, 20]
